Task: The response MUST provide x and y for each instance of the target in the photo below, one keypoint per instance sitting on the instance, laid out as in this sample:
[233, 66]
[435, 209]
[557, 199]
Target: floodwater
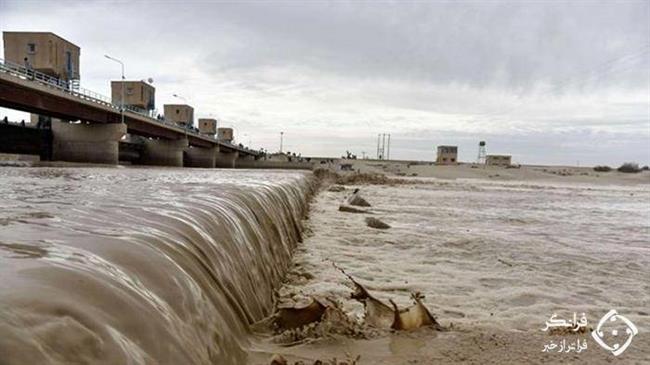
[494, 259]
[141, 266]
[174, 266]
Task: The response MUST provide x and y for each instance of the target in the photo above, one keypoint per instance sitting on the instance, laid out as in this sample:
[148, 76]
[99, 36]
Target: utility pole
[378, 155]
[281, 140]
[388, 153]
[383, 146]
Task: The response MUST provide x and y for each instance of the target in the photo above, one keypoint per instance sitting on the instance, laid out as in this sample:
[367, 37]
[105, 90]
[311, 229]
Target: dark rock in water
[356, 199]
[376, 223]
[351, 209]
[336, 188]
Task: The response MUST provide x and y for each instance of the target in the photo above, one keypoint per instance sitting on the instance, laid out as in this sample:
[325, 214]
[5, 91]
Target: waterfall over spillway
[141, 266]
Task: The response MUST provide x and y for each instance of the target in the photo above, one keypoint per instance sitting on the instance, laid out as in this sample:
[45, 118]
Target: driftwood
[413, 317]
[379, 314]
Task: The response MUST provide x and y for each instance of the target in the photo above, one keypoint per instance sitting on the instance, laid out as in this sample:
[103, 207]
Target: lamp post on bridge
[123, 79]
[180, 97]
[281, 140]
[187, 126]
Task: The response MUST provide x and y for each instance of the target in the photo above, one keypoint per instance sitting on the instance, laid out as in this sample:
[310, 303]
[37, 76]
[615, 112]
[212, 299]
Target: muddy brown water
[141, 266]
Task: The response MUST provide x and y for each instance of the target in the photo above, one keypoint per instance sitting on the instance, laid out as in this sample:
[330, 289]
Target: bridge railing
[25, 73]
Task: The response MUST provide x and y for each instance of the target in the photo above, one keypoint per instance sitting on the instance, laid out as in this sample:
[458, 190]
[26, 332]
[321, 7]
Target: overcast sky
[548, 82]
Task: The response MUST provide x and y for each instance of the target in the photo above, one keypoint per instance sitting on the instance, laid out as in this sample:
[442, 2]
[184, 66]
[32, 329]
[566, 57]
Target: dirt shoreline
[530, 173]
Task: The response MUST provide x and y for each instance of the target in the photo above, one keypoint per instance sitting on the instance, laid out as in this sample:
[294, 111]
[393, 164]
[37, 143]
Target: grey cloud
[547, 81]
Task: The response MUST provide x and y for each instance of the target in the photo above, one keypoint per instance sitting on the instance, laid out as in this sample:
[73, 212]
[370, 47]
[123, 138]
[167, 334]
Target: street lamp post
[180, 97]
[122, 91]
[187, 126]
[281, 140]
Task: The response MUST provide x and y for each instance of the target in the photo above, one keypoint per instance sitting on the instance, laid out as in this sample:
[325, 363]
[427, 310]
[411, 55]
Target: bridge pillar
[200, 157]
[163, 152]
[246, 162]
[226, 159]
[91, 143]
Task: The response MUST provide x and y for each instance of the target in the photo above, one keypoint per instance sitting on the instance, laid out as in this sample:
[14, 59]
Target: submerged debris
[380, 315]
[413, 317]
[348, 360]
[350, 209]
[333, 321]
[277, 359]
[376, 223]
[377, 314]
[356, 199]
[336, 188]
[294, 317]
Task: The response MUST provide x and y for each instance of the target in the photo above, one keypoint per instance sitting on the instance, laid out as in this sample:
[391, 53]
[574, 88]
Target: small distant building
[225, 134]
[137, 94]
[447, 155]
[45, 52]
[208, 126]
[498, 160]
[181, 114]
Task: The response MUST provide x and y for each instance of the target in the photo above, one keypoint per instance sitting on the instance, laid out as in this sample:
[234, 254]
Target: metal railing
[25, 73]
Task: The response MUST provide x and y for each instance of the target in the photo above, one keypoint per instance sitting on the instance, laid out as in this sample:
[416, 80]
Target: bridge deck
[22, 91]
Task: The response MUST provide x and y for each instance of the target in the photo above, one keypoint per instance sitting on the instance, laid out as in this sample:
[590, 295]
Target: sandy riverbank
[523, 173]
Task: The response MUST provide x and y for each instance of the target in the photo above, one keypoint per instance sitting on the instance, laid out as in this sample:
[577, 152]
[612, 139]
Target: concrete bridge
[96, 138]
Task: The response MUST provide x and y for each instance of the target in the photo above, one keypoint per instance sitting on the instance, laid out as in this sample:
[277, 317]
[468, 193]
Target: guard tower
[225, 135]
[481, 153]
[44, 52]
[137, 94]
[181, 114]
[208, 126]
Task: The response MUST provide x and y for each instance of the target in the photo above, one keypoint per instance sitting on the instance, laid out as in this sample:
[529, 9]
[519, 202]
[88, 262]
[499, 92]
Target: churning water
[131, 266]
[172, 266]
[491, 257]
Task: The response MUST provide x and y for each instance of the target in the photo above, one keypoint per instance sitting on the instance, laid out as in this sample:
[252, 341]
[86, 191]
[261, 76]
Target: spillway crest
[141, 266]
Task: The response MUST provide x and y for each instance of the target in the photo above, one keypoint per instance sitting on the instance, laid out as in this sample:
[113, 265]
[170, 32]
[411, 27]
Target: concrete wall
[163, 152]
[49, 55]
[91, 143]
[498, 160]
[200, 157]
[269, 164]
[226, 159]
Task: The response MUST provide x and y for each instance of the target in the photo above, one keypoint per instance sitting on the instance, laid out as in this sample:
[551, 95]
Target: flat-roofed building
[180, 114]
[447, 155]
[225, 134]
[43, 52]
[208, 126]
[498, 160]
[137, 94]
